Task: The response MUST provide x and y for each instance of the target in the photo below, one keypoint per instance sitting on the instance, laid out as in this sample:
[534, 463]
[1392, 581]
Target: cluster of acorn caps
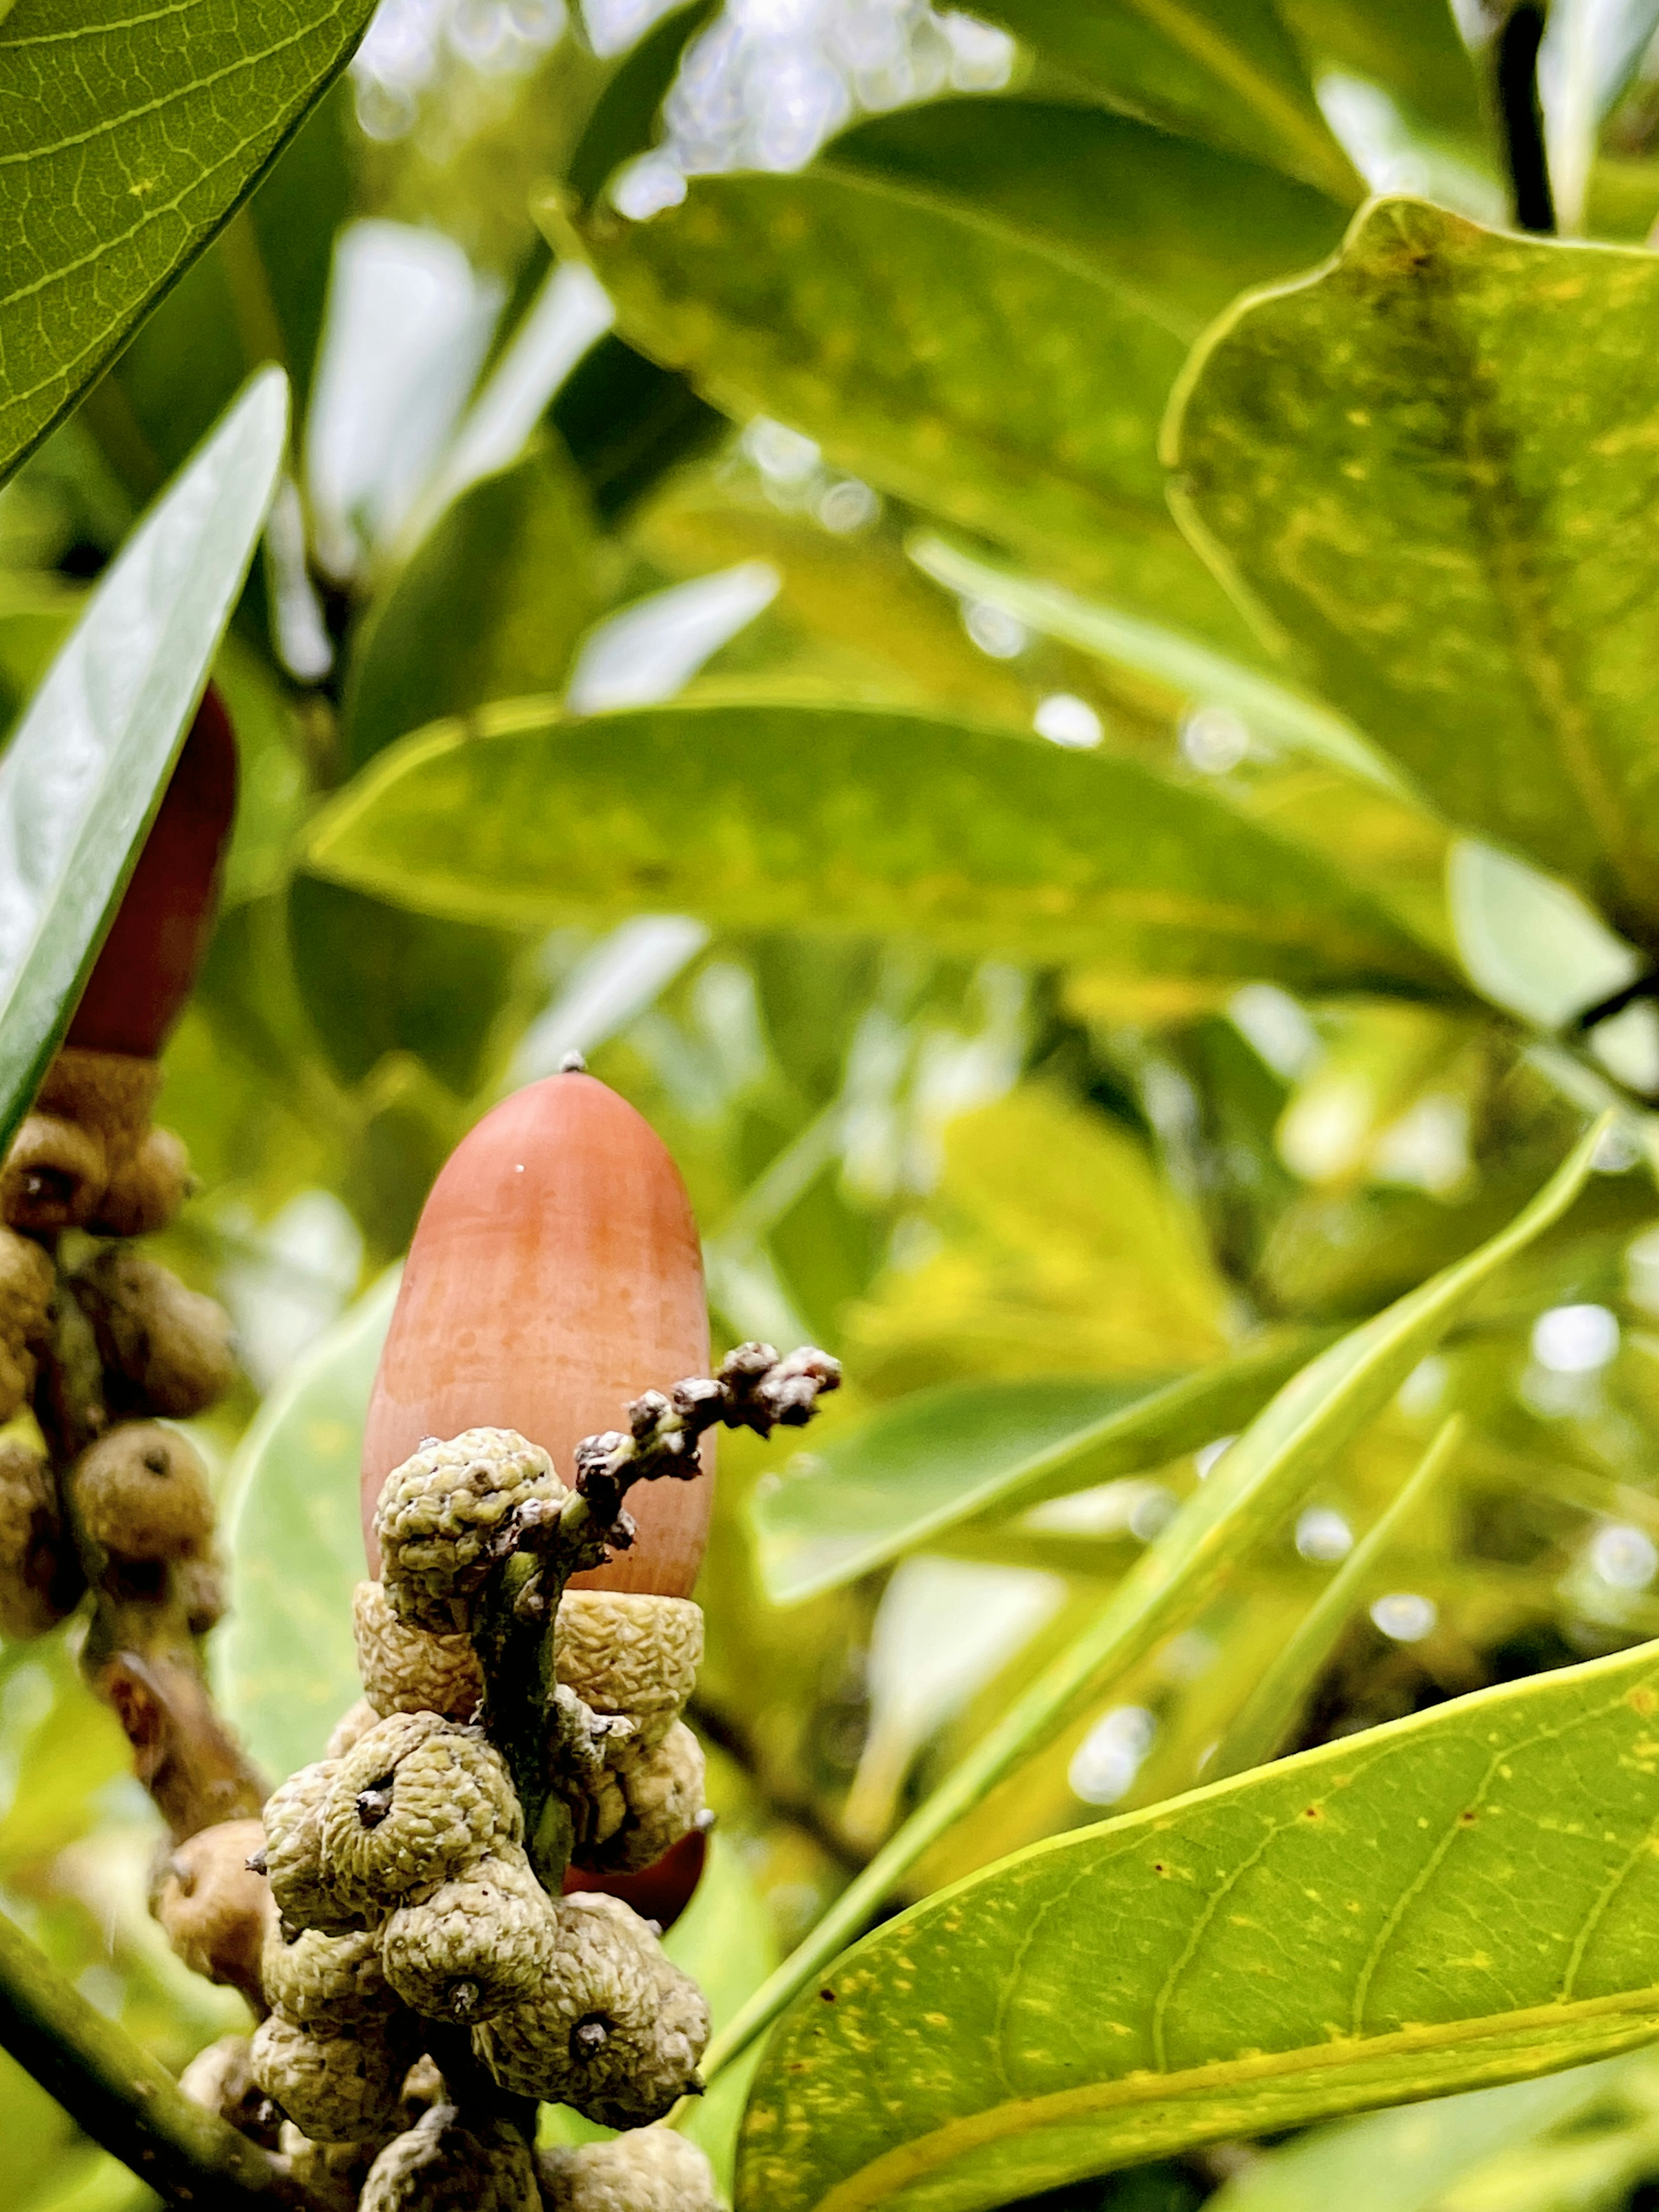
[98, 1341]
[407, 1944]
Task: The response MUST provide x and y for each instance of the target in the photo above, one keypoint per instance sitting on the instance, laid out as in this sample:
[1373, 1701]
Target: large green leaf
[973, 368]
[767, 816]
[1181, 226]
[284, 1660]
[86, 767]
[1467, 1896]
[1257, 1482]
[489, 606]
[940, 1457]
[1447, 507]
[126, 142]
[1226, 70]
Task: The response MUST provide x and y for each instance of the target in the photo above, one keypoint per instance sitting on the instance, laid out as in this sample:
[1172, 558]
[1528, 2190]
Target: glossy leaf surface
[1448, 515]
[767, 816]
[1463, 1898]
[84, 772]
[285, 1662]
[1226, 70]
[939, 1457]
[979, 371]
[124, 141]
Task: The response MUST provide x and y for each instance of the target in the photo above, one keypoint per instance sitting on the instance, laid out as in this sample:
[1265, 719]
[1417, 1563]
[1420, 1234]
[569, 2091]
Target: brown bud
[141, 1492]
[146, 1190]
[199, 1587]
[40, 1577]
[650, 2170]
[54, 1175]
[165, 1349]
[213, 1910]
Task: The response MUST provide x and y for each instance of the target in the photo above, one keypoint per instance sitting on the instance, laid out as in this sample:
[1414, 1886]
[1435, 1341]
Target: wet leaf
[88, 762]
[127, 142]
[765, 815]
[1447, 513]
[1466, 1897]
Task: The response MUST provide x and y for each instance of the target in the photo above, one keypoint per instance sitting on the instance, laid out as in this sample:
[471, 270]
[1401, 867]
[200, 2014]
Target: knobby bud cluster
[427, 1979]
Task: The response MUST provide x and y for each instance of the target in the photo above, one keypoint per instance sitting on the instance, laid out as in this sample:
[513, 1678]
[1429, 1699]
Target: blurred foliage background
[945, 1167]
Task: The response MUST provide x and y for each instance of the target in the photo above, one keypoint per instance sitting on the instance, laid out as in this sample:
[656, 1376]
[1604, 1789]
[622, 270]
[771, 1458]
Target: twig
[123, 2099]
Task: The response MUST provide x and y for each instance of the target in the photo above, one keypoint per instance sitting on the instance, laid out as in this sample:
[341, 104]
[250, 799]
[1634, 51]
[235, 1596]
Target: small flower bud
[616, 2030]
[165, 1349]
[412, 1805]
[338, 2088]
[476, 1946]
[440, 1514]
[54, 1175]
[649, 2170]
[141, 1492]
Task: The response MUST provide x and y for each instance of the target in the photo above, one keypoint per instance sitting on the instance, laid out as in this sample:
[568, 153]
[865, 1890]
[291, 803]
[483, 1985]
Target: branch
[123, 2099]
[1523, 122]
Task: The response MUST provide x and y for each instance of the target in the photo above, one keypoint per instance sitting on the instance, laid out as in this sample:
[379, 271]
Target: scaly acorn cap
[623, 1653]
[414, 1803]
[220, 2080]
[439, 1512]
[146, 1190]
[662, 1793]
[142, 1492]
[476, 1946]
[443, 2166]
[165, 1349]
[54, 1174]
[410, 1670]
[615, 2030]
[293, 1853]
[332, 2173]
[348, 1731]
[325, 1983]
[338, 2088]
[650, 2170]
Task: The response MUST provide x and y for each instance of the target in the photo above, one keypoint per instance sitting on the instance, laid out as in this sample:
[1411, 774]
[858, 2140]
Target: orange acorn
[554, 1276]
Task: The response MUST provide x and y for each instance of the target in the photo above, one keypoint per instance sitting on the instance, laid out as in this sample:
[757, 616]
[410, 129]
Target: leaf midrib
[883, 2176]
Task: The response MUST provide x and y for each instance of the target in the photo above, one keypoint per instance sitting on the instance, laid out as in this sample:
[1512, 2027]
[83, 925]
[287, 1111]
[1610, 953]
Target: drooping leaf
[978, 371]
[1226, 70]
[284, 1660]
[766, 815]
[126, 142]
[1466, 1897]
[489, 606]
[1181, 226]
[942, 1456]
[1447, 512]
[88, 762]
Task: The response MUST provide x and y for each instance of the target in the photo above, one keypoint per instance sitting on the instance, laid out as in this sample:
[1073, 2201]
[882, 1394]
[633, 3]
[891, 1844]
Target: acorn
[213, 1909]
[142, 1492]
[554, 1276]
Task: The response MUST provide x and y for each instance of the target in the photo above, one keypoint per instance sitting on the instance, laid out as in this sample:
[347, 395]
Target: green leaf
[1181, 226]
[942, 1456]
[772, 816]
[1447, 509]
[284, 1662]
[1257, 1483]
[1413, 48]
[1225, 71]
[985, 374]
[627, 422]
[129, 139]
[86, 766]
[1467, 1896]
[489, 606]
